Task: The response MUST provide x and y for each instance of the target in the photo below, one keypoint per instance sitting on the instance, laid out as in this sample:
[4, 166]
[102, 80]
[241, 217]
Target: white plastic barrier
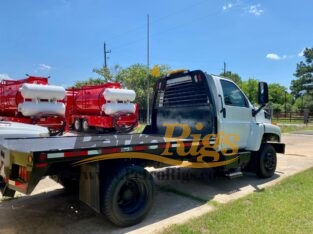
[33, 108]
[34, 91]
[119, 94]
[112, 108]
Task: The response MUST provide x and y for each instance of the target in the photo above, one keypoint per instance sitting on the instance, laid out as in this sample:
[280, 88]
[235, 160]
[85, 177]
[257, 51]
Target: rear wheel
[85, 125]
[128, 197]
[77, 125]
[123, 128]
[266, 161]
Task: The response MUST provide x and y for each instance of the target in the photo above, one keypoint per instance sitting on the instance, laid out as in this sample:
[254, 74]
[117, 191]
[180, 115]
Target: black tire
[128, 196]
[85, 125]
[77, 125]
[123, 128]
[266, 161]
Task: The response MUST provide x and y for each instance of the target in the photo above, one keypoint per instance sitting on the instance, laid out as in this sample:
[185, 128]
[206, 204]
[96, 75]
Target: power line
[156, 20]
[148, 81]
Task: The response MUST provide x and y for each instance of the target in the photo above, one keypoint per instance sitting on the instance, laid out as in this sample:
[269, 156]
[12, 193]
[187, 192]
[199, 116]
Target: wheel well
[274, 140]
[270, 137]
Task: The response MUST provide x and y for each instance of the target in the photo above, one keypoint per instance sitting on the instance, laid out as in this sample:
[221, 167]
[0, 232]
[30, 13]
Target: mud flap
[89, 185]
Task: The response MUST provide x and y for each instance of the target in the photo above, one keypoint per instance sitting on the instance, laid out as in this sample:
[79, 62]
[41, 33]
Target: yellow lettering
[208, 150]
[169, 136]
[231, 144]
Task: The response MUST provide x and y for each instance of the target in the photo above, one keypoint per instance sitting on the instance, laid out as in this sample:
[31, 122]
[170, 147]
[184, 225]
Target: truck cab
[192, 97]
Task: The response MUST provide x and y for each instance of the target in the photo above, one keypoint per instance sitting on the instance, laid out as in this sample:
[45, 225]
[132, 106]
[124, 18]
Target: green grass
[140, 128]
[287, 121]
[293, 128]
[284, 208]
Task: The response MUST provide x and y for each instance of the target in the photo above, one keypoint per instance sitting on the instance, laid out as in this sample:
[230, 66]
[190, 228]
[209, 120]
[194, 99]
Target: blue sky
[64, 38]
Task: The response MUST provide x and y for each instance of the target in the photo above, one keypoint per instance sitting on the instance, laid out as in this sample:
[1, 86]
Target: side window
[232, 95]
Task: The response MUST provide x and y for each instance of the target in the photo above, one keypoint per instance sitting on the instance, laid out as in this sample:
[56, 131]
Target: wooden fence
[293, 117]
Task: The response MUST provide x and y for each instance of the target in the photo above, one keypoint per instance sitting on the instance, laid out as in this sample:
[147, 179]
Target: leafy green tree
[277, 108]
[90, 81]
[104, 75]
[278, 94]
[303, 102]
[250, 88]
[135, 77]
[108, 74]
[304, 74]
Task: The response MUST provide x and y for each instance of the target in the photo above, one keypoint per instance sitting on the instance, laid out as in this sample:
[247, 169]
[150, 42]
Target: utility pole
[224, 69]
[148, 79]
[105, 54]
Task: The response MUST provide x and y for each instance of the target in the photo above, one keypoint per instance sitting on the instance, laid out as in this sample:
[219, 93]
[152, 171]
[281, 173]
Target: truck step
[234, 175]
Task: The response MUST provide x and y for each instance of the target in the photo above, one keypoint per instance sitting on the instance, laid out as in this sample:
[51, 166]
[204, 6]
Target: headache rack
[183, 91]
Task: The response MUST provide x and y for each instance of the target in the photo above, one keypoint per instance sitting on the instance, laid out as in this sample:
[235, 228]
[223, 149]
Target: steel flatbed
[68, 143]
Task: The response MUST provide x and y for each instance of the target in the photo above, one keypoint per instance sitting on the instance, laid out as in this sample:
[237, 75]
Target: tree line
[297, 99]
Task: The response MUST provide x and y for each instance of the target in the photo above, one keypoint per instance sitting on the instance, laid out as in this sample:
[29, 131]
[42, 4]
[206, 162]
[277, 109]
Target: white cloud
[5, 76]
[274, 56]
[300, 54]
[44, 67]
[255, 10]
[227, 6]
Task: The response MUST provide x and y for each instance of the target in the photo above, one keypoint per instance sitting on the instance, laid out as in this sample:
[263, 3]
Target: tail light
[23, 173]
[41, 160]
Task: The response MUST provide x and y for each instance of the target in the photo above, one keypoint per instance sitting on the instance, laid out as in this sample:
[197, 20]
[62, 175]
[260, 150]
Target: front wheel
[266, 161]
[128, 196]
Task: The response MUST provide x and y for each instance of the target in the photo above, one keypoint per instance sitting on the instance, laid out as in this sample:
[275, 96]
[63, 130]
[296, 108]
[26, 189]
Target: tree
[250, 88]
[304, 73]
[108, 74]
[304, 101]
[90, 81]
[104, 75]
[278, 94]
[135, 77]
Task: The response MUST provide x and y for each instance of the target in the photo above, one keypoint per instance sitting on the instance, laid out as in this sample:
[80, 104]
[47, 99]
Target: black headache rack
[183, 97]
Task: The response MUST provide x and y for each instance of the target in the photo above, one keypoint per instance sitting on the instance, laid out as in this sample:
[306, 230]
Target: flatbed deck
[63, 143]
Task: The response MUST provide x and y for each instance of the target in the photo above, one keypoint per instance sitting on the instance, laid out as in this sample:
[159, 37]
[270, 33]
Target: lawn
[287, 128]
[284, 208]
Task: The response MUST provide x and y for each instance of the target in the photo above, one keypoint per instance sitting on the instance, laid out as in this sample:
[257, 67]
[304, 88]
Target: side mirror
[263, 93]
